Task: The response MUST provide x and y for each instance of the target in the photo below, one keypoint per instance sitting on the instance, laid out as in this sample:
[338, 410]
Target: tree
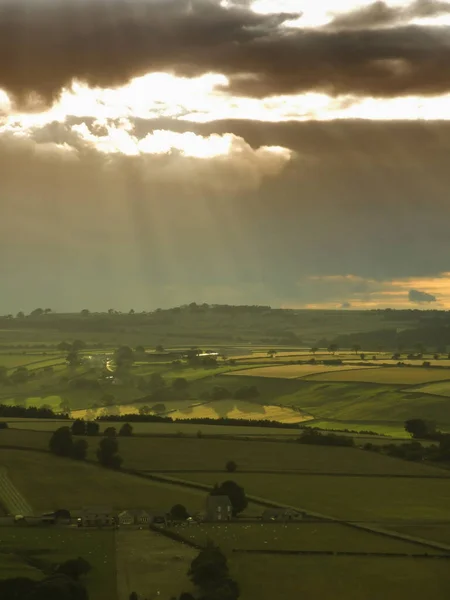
[64, 346]
[107, 453]
[37, 312]
[20, 315]
[110, 432]
[16, 588]
[92, 428]
[180, 384]
[131, 311]
[271, 353]
[144, 410]
[157, 381]
[231, 466]
[124, 357]
[140, 350]
[126, 430]
[74, 568]
[209, 572]
[61, 442]
[179, 513]
[314, 350]
[85, 312]
[356, 348]
[362, 356]
[78, 427]
[79, 449]
[419, 428]
[133, 596]
[332, 348]
[235, 493]
[159, 348]
[58, 587]
[73, 359]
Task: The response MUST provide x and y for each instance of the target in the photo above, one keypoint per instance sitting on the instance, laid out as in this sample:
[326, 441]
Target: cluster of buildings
[217, 509]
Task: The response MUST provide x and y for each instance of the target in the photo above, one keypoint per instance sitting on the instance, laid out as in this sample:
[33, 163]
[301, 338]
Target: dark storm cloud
[379, 14]
[45, 44]
[419, 297]
[366, 199]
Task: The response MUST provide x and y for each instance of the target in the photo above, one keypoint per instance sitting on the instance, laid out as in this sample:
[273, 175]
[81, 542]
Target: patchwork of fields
[386, 375]
[297, 371]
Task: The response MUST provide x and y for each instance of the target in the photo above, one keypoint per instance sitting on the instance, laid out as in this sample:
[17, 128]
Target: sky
[283, 152]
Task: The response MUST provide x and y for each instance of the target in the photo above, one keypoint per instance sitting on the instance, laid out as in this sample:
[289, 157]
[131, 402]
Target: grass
[386, 375]
[441, 388]
[151, 565]
[383, 500]
[395, 430]
[192, 453]
[49, 483]
[296, 371]
[294, 536]
[349, 578]
[97, 547]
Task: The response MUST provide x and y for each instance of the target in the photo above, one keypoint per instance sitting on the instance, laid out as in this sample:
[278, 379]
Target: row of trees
[62, 443]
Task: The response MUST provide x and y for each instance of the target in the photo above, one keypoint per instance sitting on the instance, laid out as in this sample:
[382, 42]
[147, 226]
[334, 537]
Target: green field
[151, 565]
[295, 536]
[297, 371]
[57, 545]
[385, 375]
[49, 483]
[191, 453]
[316, 578]
[384, 500]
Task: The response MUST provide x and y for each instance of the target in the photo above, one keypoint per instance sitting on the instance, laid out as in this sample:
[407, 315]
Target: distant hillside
[214, 324]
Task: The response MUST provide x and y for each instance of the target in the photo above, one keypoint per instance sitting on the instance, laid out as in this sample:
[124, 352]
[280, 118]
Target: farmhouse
[282, 514]
[218, 508]
[135, 517]
[97, 516]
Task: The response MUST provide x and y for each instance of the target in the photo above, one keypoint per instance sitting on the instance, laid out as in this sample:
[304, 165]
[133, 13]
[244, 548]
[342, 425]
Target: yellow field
[297, 371]
[232, 409]
[436, 389]
[388, 375]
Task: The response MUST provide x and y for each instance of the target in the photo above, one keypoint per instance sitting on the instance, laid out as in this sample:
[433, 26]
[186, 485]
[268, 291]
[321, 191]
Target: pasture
[342, 578]
[297, 371]
[312, 536]
[386, 501]
[441, 388]
[151, 565]
[53, 546]
[386, 375]
[49, 482]
[190, 454]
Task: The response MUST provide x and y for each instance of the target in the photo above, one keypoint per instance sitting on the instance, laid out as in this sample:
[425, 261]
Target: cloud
[419, 297]
[358, 214]
[107, 47]
[380, 14]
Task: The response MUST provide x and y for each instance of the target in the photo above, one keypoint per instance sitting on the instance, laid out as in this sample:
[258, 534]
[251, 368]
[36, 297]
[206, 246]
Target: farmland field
[192, 453]
[384, 375]
[297, 371]
[316, 578]
[438, 389]
[386, 500]
[58, 545]
[151, 565]
[315, 536]
[49, 483]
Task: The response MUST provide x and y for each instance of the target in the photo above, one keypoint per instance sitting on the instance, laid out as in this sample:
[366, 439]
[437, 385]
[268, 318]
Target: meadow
[297, 371]
[386, 375]
[57, 545]
[151, 565]
[267, 577]
[384, 501]
[190, 454]
[305, 536]
[49, 482]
